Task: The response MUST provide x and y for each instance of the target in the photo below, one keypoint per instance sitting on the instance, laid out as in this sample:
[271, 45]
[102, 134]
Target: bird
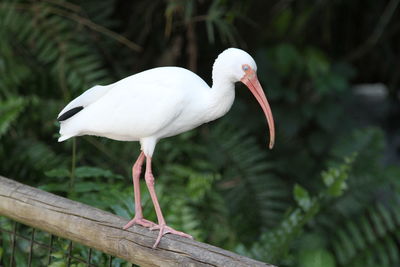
[159, 103]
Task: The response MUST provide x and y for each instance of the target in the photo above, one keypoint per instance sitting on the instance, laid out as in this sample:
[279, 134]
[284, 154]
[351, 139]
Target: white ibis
[158, 103]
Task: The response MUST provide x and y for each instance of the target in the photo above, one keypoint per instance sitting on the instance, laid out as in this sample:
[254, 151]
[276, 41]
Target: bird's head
[237, 65]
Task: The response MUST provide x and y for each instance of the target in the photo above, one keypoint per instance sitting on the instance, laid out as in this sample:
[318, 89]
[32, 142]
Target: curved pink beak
[251, 81]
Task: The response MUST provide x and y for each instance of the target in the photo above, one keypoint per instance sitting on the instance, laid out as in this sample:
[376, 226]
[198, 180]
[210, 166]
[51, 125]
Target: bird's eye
[245, 67]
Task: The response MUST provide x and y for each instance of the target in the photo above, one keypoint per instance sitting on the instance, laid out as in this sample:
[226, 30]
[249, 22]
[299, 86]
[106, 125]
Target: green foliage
[9, 111]
[219, 18]
[47, 39]
[316, 258]
[249, 187]
[45, 59]
[335, 179]
[378, 230]
[275, 244]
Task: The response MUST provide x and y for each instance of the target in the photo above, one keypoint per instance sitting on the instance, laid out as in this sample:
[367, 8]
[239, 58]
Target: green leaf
[55, 187]
[302, 197]
[83, 187]
[90, 172]
[287, 57]
[282, 22]
[58, 264]
[58, 173]
[317, 63]
[335, 177]
[58, 254]
[316, 258]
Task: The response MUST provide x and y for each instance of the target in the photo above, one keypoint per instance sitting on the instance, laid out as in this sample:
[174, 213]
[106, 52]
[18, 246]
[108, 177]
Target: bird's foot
[141, 221]
[165, 229]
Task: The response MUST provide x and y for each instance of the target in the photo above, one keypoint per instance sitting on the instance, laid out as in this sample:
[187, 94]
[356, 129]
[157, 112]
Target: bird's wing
[136, 107]
[88, 97]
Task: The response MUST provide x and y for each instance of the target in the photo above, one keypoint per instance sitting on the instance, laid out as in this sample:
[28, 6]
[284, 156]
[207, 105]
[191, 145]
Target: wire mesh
[21, 245]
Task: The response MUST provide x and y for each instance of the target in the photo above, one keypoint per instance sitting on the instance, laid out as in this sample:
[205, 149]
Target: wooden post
[103, 231]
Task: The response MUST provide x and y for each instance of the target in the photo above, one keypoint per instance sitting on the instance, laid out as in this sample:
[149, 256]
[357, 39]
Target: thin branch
[200, 18]
[192, 46]
[377, 33]
[279, 7]
[83, 21]
[65, 4]
[96, 27]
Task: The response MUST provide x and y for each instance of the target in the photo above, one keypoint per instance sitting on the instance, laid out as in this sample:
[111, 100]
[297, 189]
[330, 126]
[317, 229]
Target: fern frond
[28, 157]
[369, 177]
[274, 245]
[248, 184]
[48, 39]
[370, 240]
[9, 111]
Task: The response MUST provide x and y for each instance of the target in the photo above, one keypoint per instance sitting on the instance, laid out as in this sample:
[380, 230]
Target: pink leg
[138, 219]
[164, 229]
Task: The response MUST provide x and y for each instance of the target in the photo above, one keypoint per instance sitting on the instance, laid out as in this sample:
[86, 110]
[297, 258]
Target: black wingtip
[68, 114]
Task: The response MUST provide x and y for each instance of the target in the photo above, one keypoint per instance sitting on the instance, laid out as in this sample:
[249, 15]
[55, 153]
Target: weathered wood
[103, 231]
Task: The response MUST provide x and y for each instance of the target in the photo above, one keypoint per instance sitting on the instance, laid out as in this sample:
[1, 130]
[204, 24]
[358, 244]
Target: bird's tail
[64, 137]
[64, 132]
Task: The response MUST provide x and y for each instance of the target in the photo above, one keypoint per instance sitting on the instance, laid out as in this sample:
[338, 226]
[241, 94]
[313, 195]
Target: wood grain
[103, 231]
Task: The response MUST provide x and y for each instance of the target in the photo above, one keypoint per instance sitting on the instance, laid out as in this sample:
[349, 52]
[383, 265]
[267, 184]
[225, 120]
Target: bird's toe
[165, 229]
[140, 221]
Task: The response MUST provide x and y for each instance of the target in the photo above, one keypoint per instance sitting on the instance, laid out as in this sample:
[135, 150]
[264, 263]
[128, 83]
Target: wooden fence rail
[103, 231]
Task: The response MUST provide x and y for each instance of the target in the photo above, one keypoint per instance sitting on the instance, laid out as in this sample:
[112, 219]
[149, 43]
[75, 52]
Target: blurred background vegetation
[328, 194]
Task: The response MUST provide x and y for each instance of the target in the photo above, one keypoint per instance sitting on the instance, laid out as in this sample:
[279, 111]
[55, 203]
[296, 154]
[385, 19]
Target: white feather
[85, 99]
[156, 103]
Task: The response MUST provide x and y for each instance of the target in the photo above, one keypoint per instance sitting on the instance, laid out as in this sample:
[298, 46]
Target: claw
[164, 229]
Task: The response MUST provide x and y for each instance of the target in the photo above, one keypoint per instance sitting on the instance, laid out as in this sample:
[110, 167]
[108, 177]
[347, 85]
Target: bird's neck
[220, 97]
